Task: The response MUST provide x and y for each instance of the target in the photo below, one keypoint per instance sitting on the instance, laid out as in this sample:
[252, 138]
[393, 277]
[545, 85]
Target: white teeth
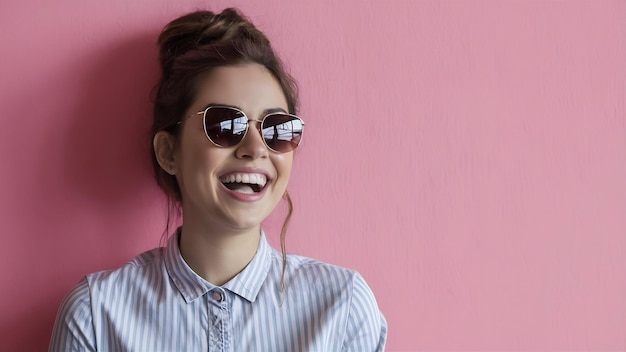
[257, 179]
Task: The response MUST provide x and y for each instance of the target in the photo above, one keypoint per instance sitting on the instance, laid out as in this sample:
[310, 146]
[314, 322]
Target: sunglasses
[226, 126]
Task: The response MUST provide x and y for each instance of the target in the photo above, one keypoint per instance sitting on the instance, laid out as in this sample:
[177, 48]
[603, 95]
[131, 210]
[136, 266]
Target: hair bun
[203, 28]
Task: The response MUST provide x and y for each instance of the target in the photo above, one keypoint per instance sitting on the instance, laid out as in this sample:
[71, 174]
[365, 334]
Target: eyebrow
[265, 112]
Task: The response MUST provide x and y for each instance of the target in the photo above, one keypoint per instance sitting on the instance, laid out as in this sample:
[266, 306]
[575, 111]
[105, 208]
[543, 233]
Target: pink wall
[467, 157]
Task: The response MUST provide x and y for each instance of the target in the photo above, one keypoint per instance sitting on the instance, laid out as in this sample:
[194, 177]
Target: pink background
[467, 157]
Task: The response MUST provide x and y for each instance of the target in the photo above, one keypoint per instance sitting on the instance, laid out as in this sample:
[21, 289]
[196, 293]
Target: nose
[252, 146]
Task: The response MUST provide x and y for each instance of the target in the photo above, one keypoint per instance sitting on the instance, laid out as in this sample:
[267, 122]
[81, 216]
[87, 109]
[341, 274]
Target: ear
[164, 146]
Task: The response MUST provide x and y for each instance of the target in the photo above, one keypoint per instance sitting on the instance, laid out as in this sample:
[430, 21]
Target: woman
[224, 133]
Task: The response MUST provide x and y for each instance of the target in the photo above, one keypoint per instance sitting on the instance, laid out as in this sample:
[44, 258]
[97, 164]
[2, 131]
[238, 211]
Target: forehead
[250, 87]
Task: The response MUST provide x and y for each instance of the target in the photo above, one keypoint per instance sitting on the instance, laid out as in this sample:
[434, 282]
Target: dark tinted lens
[225, 126]
[282, 132]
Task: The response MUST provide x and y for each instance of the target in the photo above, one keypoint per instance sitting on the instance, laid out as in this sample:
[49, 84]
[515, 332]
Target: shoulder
[77, 304]
[366, 327]
[323, 275]
[318, 271]
[333, 279]
[134, 272]
[137, 263]
[304, 273]
[336, 281]
[74, 325]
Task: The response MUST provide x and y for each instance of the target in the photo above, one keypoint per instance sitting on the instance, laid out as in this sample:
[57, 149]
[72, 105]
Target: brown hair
[192, 45]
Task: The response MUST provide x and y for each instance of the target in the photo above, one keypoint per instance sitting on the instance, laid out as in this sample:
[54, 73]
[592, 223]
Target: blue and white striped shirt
[157, 303]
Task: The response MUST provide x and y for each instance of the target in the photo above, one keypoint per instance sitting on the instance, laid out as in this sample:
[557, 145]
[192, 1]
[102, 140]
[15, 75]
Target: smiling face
[231, 188]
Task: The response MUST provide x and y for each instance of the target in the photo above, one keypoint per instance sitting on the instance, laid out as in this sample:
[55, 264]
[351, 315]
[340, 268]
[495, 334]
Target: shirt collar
[191, 286]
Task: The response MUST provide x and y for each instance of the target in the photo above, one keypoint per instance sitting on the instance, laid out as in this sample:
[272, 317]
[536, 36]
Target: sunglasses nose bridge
[253, 144]
[258, 126]
[259, 122]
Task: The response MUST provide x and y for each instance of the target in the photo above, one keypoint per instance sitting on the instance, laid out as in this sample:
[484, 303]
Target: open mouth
[244, 182]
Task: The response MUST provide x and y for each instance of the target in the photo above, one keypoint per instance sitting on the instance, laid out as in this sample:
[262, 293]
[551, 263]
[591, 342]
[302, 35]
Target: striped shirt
[157, 303]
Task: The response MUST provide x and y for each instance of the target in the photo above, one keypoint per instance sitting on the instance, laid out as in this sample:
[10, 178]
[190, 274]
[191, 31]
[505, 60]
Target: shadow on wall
[91, 168]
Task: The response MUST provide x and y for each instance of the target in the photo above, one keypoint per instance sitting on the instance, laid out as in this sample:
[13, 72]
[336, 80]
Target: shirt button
[217, 296]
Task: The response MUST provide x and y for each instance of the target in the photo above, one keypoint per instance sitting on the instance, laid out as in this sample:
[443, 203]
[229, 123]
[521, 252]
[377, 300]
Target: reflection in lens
[225, 126]
[282, 132]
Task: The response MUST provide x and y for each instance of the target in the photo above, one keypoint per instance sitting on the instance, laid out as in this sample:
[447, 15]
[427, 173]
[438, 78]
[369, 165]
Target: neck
[217, 255]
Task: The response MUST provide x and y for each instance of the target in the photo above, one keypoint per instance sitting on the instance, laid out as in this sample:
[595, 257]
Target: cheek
[201, 158]
[283, 163]
[283, 167]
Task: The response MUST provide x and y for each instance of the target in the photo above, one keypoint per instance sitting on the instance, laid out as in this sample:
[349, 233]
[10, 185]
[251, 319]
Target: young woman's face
[205, 171]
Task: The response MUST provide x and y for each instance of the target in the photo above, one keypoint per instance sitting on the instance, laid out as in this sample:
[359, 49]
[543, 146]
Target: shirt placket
[219, 321]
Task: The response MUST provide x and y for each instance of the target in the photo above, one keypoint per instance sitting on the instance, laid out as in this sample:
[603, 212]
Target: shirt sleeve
[367, 328]
[73, 329]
